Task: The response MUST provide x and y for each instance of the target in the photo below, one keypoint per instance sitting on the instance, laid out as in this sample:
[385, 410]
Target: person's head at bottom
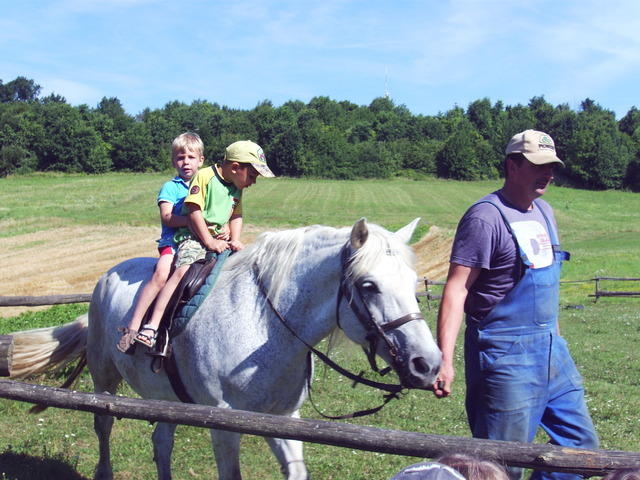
[474, 468]
[428, 471]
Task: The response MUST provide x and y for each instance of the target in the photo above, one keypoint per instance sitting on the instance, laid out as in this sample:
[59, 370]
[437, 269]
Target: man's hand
[444, 381]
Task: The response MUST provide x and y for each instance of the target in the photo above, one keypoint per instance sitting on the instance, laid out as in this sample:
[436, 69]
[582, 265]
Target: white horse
[236, 352]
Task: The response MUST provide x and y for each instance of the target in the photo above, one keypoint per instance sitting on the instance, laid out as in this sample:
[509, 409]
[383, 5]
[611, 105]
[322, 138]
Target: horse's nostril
[420, 366]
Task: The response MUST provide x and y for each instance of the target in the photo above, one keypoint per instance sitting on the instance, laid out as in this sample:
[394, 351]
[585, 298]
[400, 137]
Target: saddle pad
[181, 319]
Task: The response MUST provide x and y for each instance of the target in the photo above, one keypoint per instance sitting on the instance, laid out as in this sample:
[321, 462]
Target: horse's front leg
[226, 447]
[290, 456]
[162, 437]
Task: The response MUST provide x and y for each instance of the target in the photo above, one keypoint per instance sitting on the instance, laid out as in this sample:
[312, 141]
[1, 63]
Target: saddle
[189, 285]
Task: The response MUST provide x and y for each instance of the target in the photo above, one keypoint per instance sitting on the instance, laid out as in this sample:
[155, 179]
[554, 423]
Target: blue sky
[428, 55]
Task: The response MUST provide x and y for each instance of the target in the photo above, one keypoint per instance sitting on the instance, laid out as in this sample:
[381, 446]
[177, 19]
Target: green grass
[601, 229]
[129, 199]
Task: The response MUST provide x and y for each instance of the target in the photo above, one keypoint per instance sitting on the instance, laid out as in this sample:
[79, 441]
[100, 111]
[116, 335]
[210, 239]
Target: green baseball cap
[245, 151]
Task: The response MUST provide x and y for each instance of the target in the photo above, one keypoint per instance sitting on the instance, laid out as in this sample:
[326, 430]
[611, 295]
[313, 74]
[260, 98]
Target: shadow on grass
[19, 466]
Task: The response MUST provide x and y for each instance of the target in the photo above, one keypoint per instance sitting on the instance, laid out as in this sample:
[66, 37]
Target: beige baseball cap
[245, 151]
[537, 147]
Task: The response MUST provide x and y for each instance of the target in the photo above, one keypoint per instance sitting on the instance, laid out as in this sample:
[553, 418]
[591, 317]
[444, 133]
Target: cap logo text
[545, 143]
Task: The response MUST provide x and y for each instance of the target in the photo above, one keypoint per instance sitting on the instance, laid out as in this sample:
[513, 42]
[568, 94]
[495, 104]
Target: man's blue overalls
[519, 372]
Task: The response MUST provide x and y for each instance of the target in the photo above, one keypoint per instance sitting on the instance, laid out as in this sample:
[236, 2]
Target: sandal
[127, 344]
[147, 340]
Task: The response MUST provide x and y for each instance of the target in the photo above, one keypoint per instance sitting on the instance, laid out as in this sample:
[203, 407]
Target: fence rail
[598, 291]
[32, 301]
[540, 457]
[614, 293]
[29, 301]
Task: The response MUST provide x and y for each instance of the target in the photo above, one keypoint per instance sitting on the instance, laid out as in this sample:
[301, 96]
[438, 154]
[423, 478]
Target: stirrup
[158, 356]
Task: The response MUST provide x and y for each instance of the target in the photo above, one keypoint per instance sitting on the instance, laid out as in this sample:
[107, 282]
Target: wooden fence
[28, 301]
[598, 291]
[428, 293]
[428, 290]
[614, 293]
[540, 457]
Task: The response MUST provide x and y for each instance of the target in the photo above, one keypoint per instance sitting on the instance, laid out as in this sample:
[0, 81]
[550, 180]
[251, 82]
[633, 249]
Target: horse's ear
[405, 233]
[359, 233]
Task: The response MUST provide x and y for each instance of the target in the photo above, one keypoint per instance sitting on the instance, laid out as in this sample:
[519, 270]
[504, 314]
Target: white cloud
[593, 51]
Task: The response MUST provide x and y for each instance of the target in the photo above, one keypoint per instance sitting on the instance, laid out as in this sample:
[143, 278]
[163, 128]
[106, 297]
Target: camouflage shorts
[189, 251]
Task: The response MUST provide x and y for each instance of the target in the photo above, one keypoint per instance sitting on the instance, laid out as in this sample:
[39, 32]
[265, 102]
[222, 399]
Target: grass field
[601, 229]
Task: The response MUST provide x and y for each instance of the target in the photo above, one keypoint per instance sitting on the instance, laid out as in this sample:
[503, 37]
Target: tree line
[321, 138]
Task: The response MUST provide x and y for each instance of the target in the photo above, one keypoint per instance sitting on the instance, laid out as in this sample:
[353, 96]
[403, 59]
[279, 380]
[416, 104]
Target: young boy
[215, 198]
[187, 157]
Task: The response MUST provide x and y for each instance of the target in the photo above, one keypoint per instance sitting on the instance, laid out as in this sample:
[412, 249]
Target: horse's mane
[274, 254]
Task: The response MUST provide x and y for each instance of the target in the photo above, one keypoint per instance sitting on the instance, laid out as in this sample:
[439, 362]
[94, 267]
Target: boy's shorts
[167, 250]
[189, 251]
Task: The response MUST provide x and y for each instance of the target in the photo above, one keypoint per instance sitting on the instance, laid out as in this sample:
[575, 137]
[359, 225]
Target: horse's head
[379, 309]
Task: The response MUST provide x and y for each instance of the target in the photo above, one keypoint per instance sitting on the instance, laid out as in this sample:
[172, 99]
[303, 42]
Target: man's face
[532, 179]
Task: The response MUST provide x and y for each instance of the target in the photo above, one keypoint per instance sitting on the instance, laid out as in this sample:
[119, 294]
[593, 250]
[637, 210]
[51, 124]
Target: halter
[374, 329]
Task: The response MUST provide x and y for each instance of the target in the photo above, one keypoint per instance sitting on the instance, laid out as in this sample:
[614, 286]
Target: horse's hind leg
[102, 425]
[162, 437]
[226, 447]
[290, 456]
[105, 380]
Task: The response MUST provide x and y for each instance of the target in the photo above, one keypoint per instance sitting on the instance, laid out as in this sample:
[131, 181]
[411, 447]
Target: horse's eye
[369, 287]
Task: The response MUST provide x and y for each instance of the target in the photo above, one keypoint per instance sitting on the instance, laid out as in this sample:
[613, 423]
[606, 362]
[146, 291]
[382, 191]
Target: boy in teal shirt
[187, 156]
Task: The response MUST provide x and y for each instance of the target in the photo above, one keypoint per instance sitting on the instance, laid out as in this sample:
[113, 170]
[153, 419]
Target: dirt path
[71, 259]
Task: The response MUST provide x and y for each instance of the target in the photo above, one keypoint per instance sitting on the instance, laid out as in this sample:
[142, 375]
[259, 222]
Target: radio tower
[386, 83]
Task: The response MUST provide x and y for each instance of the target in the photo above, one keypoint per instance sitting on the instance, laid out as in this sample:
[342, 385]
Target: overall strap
[553, 235]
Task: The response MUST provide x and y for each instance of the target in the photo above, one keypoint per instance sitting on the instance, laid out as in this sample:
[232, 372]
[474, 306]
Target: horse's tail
[38, 350]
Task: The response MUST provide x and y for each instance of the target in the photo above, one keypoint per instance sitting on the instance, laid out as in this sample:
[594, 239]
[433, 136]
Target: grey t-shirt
[483, 241]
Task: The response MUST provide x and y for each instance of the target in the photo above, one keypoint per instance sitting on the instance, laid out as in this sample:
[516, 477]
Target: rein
[374, 332]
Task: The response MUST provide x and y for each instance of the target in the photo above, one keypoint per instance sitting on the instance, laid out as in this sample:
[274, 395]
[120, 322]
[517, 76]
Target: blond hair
[473, 468]
[187, 141]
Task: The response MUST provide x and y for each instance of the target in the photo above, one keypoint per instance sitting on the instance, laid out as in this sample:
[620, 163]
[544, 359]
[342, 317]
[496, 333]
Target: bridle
[374, 332]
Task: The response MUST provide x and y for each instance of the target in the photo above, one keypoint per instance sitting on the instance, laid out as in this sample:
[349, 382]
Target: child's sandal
[147, 340]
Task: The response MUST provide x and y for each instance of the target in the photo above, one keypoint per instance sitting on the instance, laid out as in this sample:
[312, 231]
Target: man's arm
[450, 315]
